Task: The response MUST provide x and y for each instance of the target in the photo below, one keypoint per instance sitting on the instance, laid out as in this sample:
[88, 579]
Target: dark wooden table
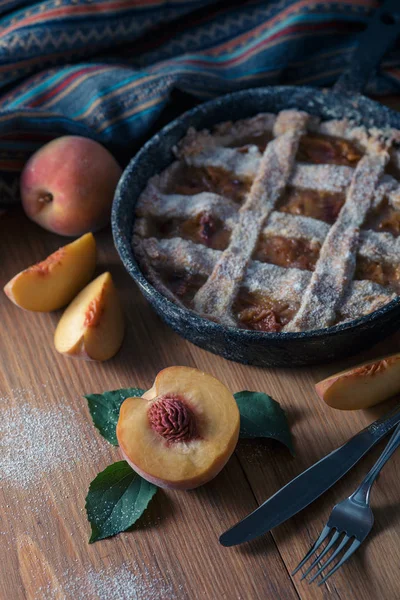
[173, 552]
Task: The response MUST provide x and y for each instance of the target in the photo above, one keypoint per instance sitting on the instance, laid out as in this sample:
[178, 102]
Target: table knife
[310, 484]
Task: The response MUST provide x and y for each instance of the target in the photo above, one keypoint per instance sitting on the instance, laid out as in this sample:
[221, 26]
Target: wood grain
[173, 552]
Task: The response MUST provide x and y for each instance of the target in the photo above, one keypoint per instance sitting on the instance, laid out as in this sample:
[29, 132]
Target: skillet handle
[373, 44]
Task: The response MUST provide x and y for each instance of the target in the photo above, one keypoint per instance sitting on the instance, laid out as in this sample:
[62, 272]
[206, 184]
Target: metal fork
[351, 518]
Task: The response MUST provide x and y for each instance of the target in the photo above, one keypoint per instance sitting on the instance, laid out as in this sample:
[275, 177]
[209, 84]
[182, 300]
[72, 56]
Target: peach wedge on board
[92, 326]
[362, 386]
[54, 282]
[182, 431]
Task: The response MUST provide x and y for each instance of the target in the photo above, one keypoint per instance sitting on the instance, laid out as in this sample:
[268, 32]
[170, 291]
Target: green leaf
[104, 409]
[116, 499]
[262, 417]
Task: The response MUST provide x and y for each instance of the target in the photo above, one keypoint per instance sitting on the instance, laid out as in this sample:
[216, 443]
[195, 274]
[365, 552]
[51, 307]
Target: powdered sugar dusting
[124, 583]
[37, 441]
[42, 445]
[243, 165]
[169, 206]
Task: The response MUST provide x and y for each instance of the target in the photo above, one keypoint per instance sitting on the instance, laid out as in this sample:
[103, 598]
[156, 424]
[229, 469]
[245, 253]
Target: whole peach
[68, 185]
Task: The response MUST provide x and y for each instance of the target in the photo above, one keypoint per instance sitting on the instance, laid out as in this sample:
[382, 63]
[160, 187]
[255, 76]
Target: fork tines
[340, 546]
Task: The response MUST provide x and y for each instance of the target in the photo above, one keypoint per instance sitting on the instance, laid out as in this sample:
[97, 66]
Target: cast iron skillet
[345, 100]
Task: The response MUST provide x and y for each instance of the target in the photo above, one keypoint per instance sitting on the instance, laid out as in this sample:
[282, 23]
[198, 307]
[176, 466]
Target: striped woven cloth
[110, 69]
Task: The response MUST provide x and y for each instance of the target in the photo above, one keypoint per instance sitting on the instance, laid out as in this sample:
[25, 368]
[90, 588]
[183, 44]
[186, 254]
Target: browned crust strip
[216, 297]
[335, 268]
[277, 283]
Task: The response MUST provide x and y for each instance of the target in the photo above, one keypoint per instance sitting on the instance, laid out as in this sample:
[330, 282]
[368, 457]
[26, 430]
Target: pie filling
[184, 286]
[324, 206]
[260, 313]
[285, 252]
[384, 274]
[193, 180]
[326, 150]
[201, 229]
[385, 218]
[300, 253]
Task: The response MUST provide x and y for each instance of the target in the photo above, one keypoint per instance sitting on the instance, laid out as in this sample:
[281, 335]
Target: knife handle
[382, 426]
[363, 491]
[357, 446]
[310, 484]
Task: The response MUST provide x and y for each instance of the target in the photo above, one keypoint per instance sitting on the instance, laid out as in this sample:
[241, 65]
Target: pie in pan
[275, 223]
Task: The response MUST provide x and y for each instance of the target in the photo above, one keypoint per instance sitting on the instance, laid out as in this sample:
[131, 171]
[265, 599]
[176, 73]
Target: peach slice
[92, 327]
[54, 282]
[182, 431]
[362, 386]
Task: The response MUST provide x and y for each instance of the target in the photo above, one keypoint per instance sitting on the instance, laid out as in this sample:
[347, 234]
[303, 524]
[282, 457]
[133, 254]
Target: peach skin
[68, 185]
[362, 386]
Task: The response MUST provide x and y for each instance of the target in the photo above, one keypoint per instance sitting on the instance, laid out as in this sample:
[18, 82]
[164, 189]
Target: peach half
[362, 386]
[92, 326]
[182, 431]
[54, 282]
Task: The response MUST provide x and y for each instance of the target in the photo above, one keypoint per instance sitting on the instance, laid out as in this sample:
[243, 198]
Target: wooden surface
[173, 552]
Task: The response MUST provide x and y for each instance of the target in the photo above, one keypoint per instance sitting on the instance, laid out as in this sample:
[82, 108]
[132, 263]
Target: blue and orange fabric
[108, 69]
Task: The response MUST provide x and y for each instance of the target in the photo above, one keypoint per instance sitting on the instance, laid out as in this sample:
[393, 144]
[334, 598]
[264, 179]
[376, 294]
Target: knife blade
[310, 484]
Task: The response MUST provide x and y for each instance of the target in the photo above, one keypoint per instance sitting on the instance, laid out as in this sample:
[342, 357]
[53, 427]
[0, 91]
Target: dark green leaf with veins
[116, 499]
[104, 409]
[262, 417]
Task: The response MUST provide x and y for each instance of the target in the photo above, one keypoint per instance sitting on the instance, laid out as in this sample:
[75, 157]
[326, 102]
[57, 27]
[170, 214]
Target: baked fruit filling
[259, 313]
[193, 180]
[384, 274]
[324, 206]
[183, 285]
[285, 252]
[326, 150]
[253, 238]
[385, 218]
[201, 229]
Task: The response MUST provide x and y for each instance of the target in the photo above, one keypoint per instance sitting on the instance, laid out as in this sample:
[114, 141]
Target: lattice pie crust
[275, 223]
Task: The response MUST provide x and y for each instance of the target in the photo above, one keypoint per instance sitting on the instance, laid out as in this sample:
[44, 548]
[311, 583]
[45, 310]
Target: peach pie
[275, 223]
